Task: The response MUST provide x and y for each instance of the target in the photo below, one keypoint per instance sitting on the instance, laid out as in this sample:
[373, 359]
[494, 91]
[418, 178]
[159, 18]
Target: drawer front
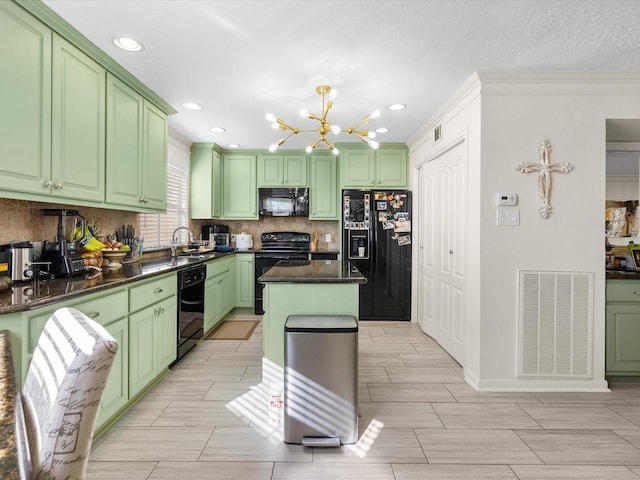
[153, 291]
[216, 267]
[623, 291]
[104, 310]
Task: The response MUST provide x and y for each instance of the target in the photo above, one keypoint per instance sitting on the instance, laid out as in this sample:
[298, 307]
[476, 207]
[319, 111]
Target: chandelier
[325, 127]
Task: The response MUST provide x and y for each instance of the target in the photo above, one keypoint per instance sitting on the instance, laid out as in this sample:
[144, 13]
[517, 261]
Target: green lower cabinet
[623, 339]
[109, 309]
[284, 299]
[152, 338]
[116, 391]
[142, 361]
[622, 351]
[219, 295]
[245, 284]
[212, 303]
[228, 292]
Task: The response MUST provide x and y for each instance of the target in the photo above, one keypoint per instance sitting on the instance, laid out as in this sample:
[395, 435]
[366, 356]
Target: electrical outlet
[327, 238]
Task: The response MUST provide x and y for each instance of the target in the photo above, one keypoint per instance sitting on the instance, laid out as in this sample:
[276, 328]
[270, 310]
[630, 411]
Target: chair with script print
[62, 392]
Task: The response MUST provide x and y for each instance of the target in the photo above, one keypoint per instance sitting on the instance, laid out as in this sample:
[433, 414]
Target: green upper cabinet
[155, 139]
[362, 167]
[52, 115]
[25, 99]
[323, 191]
[78, 127]
[282, 170]
[206, 181]
[357, 167]
[392, 166]
[136, 150]
[57, 112]
[239, 187]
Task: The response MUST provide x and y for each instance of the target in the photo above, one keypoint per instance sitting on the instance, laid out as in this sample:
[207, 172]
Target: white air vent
[555, 324]
[437, 133]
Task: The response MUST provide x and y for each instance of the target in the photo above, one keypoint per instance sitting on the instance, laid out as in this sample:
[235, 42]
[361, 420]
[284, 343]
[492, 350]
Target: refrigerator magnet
[388, 225]
[403, 226]
[404, 240]
[381, 205]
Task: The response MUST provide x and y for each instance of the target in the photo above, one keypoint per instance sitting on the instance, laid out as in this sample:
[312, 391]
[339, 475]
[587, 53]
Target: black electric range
[277, 246]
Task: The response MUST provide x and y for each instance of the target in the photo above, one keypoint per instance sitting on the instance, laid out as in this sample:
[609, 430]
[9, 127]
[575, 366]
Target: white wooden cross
[544, 169]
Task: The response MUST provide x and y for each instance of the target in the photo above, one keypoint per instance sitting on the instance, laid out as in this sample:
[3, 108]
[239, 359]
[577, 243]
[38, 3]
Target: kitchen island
[294, 287]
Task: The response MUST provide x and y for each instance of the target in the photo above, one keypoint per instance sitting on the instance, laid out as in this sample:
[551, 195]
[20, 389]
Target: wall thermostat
[507, 199]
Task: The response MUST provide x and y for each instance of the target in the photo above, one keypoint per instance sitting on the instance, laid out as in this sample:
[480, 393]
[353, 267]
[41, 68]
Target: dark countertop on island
[313, 271]
[9, 443]
[29, 295]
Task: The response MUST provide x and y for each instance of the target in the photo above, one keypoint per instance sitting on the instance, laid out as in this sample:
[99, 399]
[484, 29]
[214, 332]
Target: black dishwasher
[190, 308]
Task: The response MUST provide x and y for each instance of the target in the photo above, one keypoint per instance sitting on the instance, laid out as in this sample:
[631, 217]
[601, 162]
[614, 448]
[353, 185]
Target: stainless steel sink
[194, 257]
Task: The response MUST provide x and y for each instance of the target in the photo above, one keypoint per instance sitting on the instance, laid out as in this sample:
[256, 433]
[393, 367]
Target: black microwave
[283, 202]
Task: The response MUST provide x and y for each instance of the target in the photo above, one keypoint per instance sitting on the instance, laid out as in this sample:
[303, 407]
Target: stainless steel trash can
[321, 380]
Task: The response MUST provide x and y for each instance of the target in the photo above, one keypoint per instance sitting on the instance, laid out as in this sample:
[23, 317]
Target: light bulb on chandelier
[325, 126]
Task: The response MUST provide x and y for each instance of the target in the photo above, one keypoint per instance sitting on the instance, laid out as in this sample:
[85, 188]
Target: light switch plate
[327, 237]
[508, 216]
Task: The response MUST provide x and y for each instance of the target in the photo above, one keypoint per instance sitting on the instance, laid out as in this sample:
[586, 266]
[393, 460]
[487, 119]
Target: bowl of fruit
[113, 253]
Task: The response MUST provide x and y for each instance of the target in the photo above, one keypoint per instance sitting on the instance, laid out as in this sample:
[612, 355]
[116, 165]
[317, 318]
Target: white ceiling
[242, 59]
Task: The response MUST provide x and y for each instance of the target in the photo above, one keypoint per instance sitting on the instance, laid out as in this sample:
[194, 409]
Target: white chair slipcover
[62, 392]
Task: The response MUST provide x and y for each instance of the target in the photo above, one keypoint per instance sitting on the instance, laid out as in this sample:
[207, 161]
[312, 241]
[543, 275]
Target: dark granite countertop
[623, 274]
[9, 463]
[29, 295]
[313, 271]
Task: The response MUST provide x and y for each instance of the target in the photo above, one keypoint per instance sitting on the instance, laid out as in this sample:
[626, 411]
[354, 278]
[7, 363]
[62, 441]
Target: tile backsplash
[22, 220]
[276, 224]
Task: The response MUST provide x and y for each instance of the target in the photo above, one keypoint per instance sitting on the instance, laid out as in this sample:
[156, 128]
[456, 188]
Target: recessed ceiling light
[234, 145]
[382, 130]
[192, 106]
[397, 106]
[128, 44]
[218, 129]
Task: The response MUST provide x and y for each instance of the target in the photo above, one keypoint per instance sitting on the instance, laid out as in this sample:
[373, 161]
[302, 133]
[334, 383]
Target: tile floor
[419, 420]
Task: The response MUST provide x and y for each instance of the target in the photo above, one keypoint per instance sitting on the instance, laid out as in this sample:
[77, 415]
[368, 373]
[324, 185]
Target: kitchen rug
[233, 330]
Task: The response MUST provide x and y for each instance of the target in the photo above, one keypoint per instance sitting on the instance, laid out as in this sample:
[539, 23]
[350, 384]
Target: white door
[442, 188]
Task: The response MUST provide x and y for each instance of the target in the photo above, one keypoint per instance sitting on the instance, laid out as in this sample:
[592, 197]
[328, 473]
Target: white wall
[517, 112]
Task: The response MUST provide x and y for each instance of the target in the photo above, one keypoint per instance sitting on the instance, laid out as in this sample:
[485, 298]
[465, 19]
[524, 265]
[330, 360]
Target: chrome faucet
[174, 244]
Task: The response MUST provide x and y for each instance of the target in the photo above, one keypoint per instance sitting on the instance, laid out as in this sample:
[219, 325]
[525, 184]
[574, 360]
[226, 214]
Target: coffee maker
[64, 254]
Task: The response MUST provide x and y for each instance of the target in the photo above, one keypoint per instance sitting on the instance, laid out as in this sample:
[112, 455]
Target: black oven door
[264, 261]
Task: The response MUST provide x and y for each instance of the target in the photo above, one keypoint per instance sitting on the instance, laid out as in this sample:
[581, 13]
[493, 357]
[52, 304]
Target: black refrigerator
[377, 240]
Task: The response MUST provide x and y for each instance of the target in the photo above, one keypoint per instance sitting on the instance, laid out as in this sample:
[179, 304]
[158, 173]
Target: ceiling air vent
[437, 133]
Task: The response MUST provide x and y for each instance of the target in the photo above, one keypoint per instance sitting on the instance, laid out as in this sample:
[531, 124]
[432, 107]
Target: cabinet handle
[155, 312]
[58, 186]
[636, 292]
[157, 290]
[94, 314]
[48, 184]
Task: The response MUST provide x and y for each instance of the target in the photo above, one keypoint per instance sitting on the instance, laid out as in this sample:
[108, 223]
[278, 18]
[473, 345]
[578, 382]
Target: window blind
[157, 228]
